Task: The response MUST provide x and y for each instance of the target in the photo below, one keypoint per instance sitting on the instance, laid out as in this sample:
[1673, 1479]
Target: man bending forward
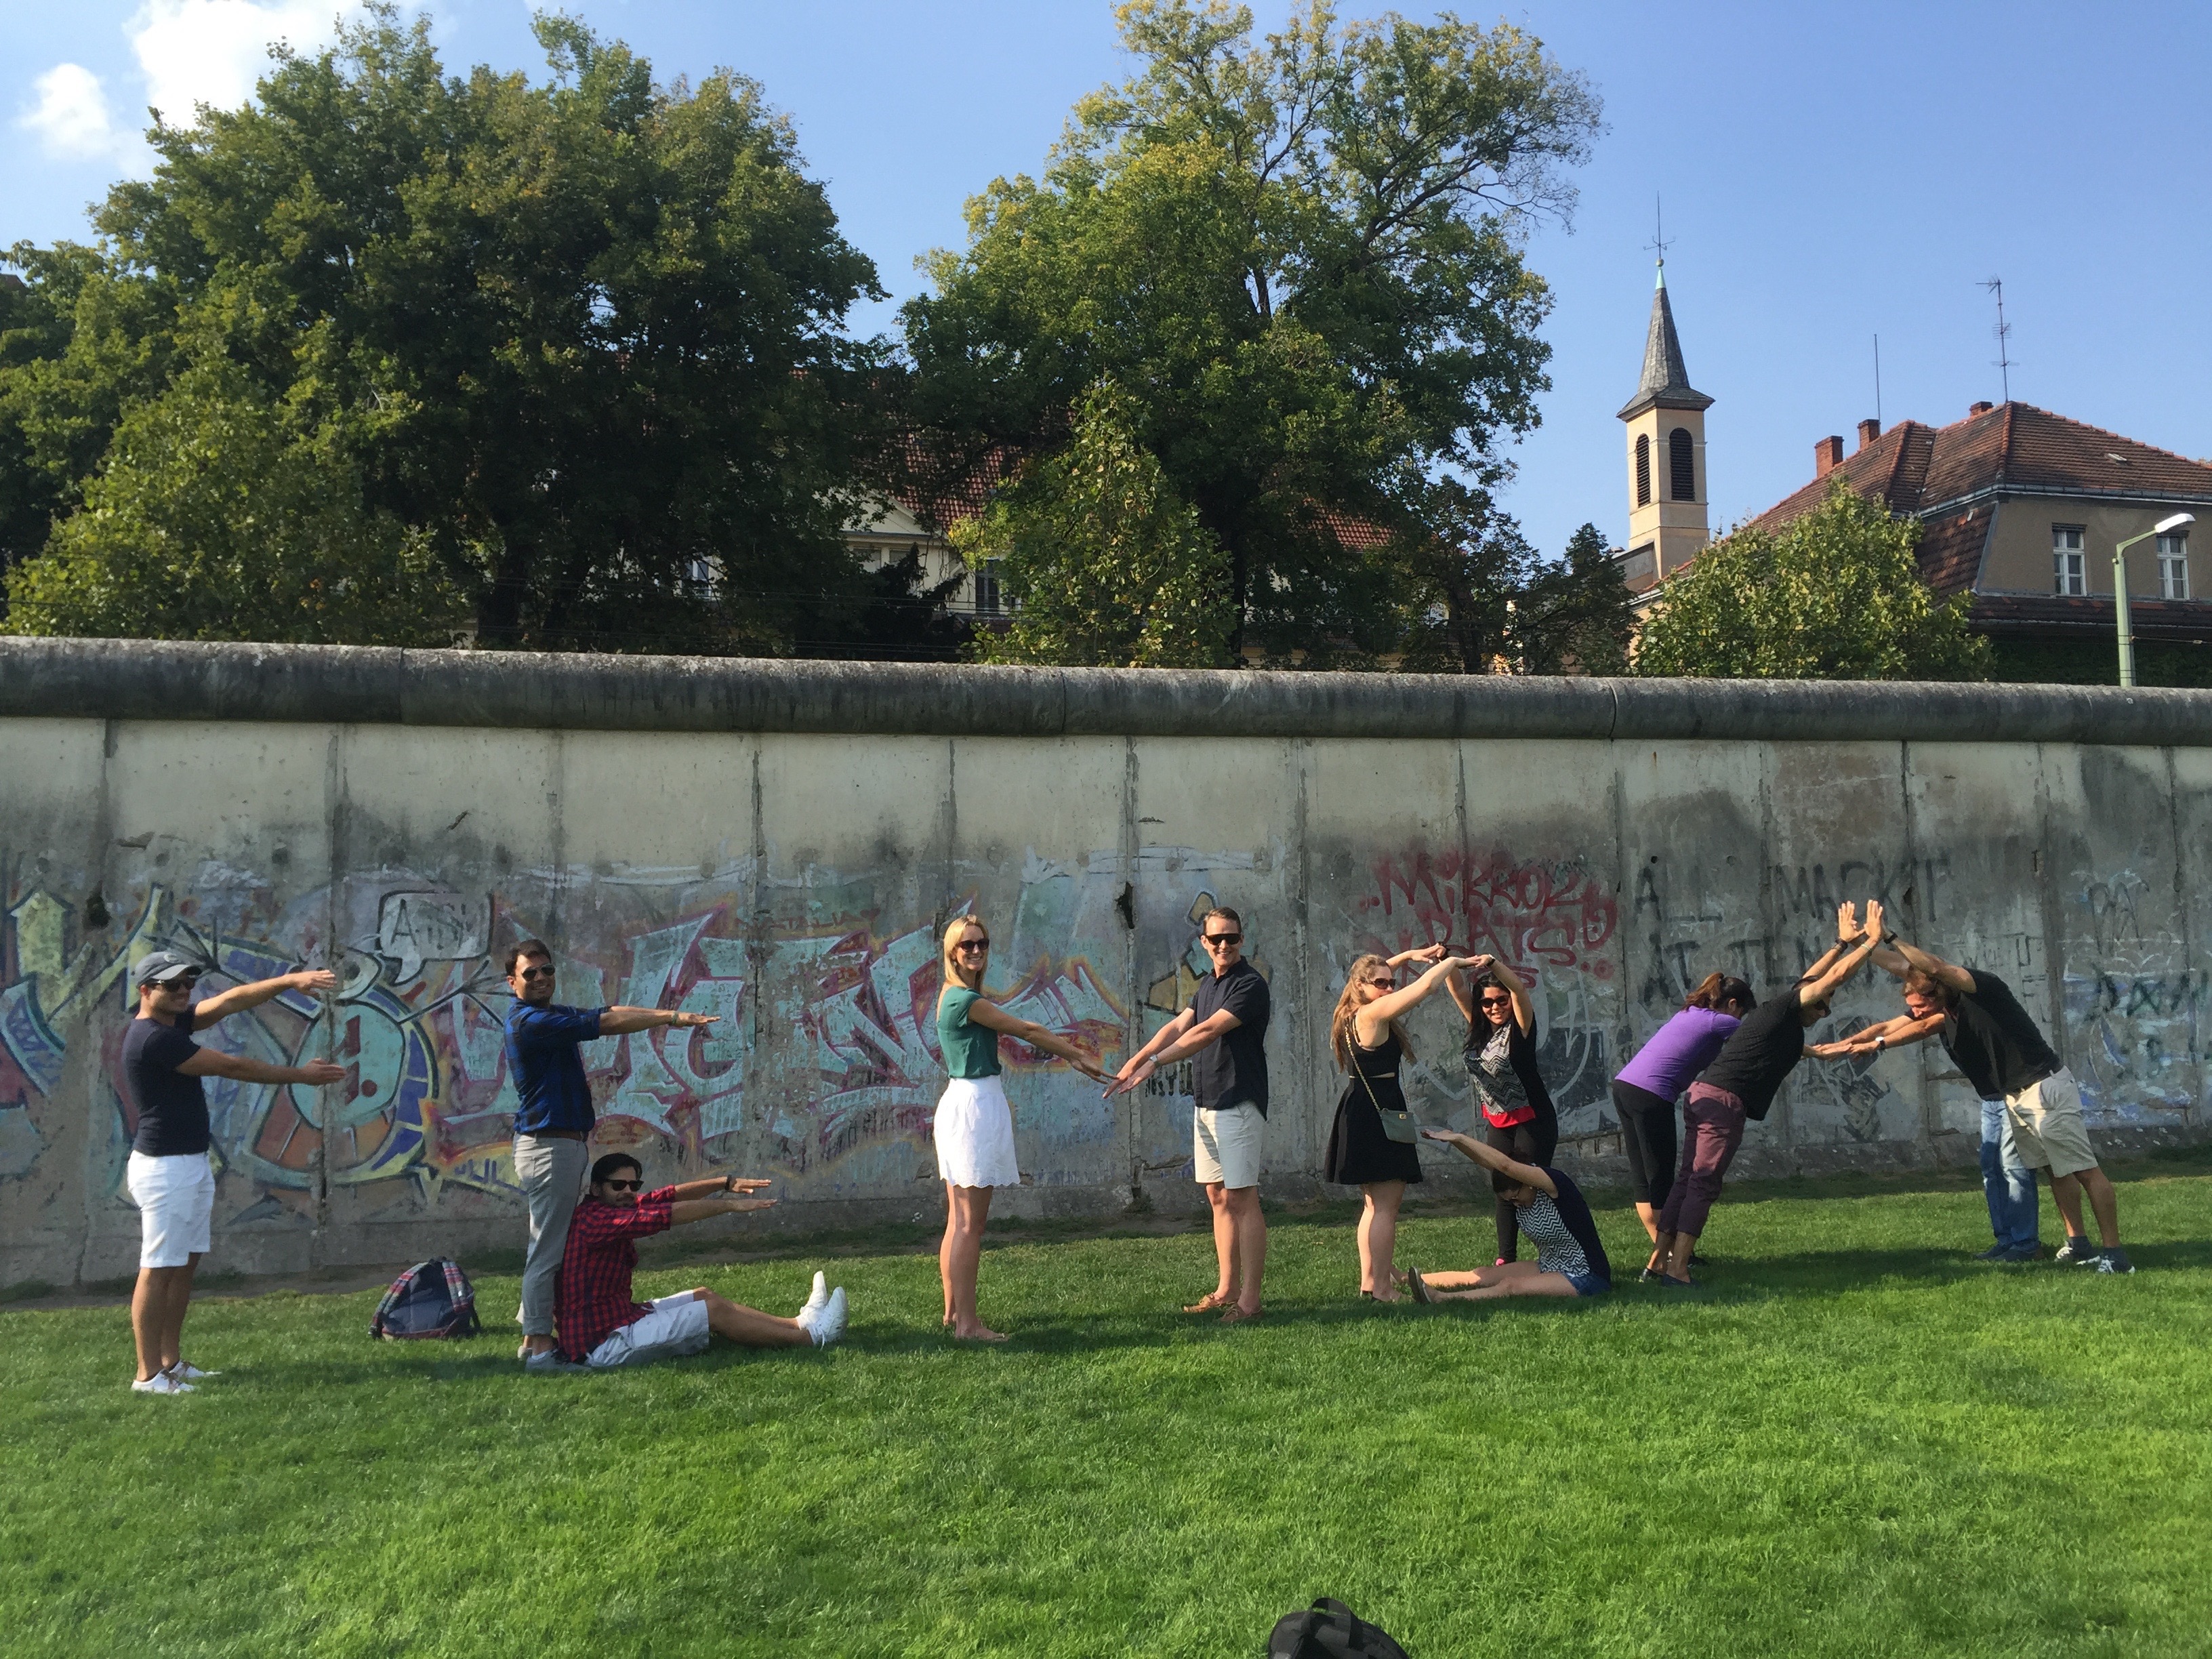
[597, 1323]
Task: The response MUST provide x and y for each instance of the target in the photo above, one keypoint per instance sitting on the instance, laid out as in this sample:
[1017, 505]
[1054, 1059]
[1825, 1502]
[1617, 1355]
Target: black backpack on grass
[431, 1299]
[1329, 1630]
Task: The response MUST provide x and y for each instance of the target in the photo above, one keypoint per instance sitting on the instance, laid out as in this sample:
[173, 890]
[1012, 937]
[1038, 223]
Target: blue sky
[1830, 173]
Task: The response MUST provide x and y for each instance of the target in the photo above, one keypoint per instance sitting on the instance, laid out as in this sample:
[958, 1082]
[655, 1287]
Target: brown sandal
[1237, 1315]
[1209, 1301]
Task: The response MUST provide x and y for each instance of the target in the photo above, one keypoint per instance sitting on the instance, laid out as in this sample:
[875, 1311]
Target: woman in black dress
[1517, 1117]
[1369, 1043]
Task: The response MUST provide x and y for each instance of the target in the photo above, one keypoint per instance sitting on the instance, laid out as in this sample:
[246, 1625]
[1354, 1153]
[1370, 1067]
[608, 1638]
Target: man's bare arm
[213, 1011]
[213, 1062]
[705, 1209]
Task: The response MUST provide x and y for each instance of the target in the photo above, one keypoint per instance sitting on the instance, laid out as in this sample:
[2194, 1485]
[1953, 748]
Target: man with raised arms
[1996, 1044]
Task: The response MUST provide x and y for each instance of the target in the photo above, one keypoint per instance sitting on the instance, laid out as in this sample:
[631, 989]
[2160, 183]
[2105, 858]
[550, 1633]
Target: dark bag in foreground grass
[1326, 1630]
[431, 1299]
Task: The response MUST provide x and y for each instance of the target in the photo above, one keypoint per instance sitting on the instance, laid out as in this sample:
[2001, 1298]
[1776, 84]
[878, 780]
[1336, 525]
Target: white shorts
[1225, 1144]
[974, 1135]
[677, 1326]
[175, 1198]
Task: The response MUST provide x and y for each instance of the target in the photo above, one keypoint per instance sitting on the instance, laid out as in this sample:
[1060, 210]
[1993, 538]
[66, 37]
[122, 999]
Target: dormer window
[2069, 577]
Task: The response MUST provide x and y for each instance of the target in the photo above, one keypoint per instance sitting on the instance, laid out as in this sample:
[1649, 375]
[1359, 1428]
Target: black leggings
[1647, 1135]
[1533, 1142]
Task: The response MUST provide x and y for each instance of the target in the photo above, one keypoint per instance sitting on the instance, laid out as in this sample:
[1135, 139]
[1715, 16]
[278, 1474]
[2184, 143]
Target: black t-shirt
[1760, 1053]
[1995, 1040]
[1232, 1069]
[172, 1115]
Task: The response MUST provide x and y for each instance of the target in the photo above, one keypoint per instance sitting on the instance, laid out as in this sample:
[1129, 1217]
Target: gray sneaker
[2077, 1251]
[2115, 1260]
[550, 1363]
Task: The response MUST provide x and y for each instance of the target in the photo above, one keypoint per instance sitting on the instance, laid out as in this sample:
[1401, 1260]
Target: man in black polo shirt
[169, 1176]
[1225, 1027]
[1998, 1048]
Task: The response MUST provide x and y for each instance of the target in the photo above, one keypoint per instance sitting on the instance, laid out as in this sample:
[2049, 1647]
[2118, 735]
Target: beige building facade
[1669, 503]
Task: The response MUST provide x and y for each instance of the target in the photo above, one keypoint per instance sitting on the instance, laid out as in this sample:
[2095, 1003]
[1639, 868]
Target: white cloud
[213, 51]
[71, 116]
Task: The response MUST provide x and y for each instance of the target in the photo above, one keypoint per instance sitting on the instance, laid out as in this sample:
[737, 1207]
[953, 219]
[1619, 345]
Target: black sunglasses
[1497, 1002]
[1223, 938]
[529, 973]
[973, 945]
[623, 1186]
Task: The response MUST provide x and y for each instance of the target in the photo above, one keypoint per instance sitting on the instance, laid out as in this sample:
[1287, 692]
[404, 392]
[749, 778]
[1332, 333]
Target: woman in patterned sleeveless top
[1570, 1258]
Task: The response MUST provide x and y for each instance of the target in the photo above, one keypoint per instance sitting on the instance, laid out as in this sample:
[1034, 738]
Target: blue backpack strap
[390, 1300]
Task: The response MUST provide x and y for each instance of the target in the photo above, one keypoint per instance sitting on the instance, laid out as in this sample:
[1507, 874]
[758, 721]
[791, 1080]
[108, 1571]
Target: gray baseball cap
[162, 966]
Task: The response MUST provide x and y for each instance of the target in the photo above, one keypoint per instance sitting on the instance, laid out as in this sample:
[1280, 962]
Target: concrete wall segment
[792, 879]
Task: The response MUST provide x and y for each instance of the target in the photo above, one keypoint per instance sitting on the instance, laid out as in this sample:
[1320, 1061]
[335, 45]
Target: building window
[1682, 480]
[987, 589]
[2067, 560]
[1643, 469]
[2173, 567]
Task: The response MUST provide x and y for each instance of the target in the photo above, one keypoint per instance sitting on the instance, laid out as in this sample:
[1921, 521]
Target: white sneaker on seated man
[598, 1324]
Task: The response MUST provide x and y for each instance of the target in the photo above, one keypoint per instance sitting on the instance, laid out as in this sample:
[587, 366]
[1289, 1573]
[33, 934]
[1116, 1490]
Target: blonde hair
[949, 973]
[1342, 1033]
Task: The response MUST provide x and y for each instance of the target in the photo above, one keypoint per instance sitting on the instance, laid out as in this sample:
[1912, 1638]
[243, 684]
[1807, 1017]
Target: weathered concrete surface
[779, 843]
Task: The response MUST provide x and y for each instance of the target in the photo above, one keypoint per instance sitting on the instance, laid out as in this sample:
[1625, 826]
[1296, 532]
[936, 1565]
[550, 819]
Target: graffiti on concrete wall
[2133, 1006]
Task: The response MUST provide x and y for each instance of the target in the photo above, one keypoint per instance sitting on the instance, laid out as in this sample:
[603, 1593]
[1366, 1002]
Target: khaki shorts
[2047, 1127]
[1225, 1146]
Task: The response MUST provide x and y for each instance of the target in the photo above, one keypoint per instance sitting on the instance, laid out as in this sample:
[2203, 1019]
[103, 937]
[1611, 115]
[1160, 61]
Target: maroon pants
[1712, 1128]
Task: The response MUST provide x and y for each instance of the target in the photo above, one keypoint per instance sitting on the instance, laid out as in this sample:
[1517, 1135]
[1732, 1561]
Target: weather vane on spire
[1658, 231]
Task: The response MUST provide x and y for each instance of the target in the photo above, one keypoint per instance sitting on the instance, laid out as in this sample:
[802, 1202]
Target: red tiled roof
[2048, 614]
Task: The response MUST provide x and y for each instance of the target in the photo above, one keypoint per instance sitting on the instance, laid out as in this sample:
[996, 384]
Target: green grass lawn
[1854, 1441]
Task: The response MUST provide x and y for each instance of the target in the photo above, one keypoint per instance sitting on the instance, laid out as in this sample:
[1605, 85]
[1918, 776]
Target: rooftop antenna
[1996, 285]
[1877, 383]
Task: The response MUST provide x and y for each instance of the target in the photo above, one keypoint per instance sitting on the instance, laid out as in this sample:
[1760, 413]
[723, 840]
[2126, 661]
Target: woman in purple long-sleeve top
[1644, 1093]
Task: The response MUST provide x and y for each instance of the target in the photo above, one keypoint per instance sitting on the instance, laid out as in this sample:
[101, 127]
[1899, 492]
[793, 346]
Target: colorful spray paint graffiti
[417, 1022]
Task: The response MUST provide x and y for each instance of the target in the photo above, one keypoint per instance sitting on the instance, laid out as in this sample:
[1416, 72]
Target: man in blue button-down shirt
[553, 1119]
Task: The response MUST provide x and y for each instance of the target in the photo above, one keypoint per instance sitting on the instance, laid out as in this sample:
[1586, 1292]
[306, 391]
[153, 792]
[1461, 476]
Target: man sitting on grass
[600, 1327]
[1569, 1260]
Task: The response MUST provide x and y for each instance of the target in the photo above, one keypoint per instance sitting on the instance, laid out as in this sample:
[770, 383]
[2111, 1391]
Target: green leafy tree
[1104, 566]
[1301, 260]
[1495, 606]
[567, 356]
[1835, 595]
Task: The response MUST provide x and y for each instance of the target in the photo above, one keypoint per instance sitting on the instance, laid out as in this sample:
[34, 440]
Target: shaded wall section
[790, 875]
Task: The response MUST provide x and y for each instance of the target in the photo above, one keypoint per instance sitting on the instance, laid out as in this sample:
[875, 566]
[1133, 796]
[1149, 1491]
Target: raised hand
[313, 979]
[320, 1072]
[747, 1183]
[1430, 954]
[1847, 923]
[1126, 1080]
[739, 1205]
[1874, 918]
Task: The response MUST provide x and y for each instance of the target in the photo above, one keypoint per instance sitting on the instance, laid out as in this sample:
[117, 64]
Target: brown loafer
[1237, 1315]
[1208, 1303]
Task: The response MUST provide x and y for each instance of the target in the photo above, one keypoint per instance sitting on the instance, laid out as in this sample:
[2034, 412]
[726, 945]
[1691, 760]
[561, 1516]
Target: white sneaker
[162, 1382]
[185, 1371]
[826, 1323]
[818, 1297]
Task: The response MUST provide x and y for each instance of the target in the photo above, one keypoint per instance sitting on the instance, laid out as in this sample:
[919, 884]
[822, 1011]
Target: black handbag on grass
[1327, 1630]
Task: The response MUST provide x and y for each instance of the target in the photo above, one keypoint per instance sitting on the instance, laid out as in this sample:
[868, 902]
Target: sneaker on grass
[549, 1363]
[818, 1297]
[162, 1382]
[2115, 1260]
[826, 1323]
[2077, 1251]
[1996, 1252]
[185, 1371]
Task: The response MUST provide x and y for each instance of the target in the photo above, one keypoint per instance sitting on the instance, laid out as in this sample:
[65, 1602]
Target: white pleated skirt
[974, 1135]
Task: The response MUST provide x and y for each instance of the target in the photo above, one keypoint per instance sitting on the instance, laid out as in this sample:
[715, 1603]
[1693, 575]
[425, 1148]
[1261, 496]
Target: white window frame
[2173, 567]
[989, 602]
[2070, 560]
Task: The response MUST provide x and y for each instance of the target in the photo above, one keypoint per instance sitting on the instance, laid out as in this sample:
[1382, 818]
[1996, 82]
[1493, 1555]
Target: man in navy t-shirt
[553, 1120]
[169, 1176]
[1224, 1029]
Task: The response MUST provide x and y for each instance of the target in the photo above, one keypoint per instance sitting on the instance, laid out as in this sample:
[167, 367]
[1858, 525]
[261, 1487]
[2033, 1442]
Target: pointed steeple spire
[1666, 383]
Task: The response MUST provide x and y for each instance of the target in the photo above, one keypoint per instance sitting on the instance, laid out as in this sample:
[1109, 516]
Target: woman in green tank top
[974, 1129]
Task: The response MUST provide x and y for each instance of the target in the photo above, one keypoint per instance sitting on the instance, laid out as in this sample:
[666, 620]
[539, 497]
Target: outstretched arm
[1490, 1157]
[1203, 1035]
[992, 1017]
[705, 1209]
[1898, 1033]
[1426, 953]
[214, 1010]
[614, 1021]
[1374, 1015]
[213, 1062]
[1524, 1010]
[1838, 964]
[1911, 956]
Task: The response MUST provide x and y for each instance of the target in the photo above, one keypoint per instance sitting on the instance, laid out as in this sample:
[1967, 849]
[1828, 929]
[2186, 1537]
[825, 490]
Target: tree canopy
[390, 354]
[1834, 595]
[1299, 259]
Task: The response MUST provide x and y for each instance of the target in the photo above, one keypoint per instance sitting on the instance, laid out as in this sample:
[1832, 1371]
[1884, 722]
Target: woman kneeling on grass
[1368, 1042]
[975, 1126]
[1569, 1260]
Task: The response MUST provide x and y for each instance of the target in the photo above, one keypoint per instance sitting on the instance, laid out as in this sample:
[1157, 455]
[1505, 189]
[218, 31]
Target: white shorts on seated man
[598, 1325]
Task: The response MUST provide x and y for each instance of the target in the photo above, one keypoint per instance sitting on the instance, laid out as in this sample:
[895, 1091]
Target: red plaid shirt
[593, 1301]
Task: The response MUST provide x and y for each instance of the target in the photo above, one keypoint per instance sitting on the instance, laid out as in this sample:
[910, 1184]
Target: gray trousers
[551, 1172]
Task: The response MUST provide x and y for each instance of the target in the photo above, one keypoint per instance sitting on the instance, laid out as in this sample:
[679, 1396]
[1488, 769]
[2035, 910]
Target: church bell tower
[1668, 524]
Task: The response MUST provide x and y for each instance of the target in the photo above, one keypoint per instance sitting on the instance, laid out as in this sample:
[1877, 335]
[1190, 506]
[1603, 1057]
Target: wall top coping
[177, 680]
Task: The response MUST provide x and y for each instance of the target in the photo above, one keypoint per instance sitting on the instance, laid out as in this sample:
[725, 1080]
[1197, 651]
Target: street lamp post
[2120, 589]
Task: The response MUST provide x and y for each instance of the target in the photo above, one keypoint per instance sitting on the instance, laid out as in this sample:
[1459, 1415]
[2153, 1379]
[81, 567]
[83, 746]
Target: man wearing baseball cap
[169, 1176]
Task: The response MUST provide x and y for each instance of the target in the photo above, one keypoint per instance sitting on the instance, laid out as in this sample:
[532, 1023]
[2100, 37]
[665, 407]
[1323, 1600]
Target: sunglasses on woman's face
[1497, 1002]
[973, 945]
[1379, 984]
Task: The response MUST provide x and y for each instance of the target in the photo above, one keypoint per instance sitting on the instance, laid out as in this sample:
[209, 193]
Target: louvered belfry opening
[1642, 470]
[1682, 469]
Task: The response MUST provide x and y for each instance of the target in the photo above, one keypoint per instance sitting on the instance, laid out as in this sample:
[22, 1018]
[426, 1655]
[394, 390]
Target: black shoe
[1697, 1261]
[1996, 1252]
[2023, 1252]
[2115, 1260]
[2077, 1251]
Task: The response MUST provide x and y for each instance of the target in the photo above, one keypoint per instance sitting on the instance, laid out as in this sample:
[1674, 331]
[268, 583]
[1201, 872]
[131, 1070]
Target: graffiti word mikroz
[1537, 916]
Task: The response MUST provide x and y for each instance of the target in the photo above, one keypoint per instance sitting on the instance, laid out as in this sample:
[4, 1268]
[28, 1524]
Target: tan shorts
[2047, 1127]
[1225, 1146]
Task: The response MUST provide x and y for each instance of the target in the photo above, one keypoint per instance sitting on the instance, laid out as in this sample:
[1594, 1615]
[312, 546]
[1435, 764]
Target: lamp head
[2167, 526]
